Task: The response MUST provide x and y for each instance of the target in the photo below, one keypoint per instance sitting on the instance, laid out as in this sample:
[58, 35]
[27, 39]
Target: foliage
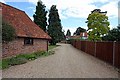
[17, 60]
[52, 46]
[113, 35]
[55, 27]
[70, 41]
[5, 63]
[51, 52]
[39, 53]
[79, 30]
[23, 58]
[40, 15]
[8, 32]
[97, 26]
[68, 33]
[27, 56]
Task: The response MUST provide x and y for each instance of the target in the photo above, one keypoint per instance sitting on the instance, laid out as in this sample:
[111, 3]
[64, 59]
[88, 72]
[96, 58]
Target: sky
[73, 13]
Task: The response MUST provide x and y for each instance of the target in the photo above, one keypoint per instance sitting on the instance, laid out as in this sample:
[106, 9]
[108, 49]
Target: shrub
[5, 63]
[51, 52]
[23, 58]
[17, 60]
[38, 54]
[27, 56]
[8, 32]
[30, 56]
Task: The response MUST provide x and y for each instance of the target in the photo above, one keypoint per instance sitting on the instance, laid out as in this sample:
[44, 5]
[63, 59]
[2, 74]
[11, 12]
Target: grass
[23, 58]
[52, 46]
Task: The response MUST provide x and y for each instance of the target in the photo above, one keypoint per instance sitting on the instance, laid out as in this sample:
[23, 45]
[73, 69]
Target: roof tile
[23, 25]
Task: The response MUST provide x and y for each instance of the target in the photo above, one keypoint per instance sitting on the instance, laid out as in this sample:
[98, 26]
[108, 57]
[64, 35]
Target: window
[28, 41]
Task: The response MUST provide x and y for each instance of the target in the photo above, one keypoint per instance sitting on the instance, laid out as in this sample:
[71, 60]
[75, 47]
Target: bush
[27, 56]
[17, 60]
[51, 52]
[5, 63]
[23, 58]
[38, 54]
[30, 56]
[8, 32]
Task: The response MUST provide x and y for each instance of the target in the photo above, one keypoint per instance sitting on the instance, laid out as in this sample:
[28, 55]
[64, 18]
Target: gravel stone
[67, 62]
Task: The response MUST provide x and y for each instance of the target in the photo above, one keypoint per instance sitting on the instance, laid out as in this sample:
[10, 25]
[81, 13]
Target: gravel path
[67, 62]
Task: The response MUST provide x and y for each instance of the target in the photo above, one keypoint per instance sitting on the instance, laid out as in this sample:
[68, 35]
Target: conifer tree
[40, 15]
[68, 33]
[55, 27]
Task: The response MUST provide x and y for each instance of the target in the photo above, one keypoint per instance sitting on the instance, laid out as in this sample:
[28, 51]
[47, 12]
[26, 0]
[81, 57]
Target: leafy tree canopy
[97, 26]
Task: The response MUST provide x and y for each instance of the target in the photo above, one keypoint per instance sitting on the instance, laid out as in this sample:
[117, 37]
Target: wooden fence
[106, 51]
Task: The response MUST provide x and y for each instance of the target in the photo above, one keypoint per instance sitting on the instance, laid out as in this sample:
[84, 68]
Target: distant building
[67, 37]
[82, 36]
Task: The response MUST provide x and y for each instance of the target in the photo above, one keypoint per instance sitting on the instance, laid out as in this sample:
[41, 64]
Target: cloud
[30, 7]
[72, 29]
[3, 1]
[80, 8]
[111, 8]
[76, 8]
[15, 0]
[31, 18]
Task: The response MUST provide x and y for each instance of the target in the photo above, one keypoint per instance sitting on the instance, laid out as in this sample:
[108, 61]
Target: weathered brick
[17, 47]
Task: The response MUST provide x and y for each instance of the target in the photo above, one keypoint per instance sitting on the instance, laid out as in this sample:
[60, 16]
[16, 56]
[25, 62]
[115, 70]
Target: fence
[106, 51]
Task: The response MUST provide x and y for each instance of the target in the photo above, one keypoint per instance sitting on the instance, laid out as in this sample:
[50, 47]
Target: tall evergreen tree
[40, 15]
[55, 27]
[68, 33]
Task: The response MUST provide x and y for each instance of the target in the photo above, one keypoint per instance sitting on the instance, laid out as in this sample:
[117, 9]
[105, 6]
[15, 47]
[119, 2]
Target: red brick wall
[17, 47]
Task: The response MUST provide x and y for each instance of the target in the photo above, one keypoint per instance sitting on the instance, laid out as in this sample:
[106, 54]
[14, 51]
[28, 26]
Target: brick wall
[17, 47]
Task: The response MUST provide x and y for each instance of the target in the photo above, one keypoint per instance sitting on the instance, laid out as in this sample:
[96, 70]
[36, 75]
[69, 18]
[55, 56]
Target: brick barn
[30, 38]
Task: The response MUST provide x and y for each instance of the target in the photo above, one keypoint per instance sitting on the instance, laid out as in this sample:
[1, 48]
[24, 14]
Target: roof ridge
[11, 6]
[23, 20]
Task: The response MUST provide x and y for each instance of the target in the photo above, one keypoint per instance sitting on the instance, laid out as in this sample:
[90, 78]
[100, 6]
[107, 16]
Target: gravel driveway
[67, 62]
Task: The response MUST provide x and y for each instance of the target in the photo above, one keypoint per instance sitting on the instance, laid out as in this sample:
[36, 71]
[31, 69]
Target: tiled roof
[23, 25]
[75, 37]
[83, 34]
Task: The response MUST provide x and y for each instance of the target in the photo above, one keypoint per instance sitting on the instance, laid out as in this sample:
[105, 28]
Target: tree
[68, 33]
[97, 26]
[55, 27]
[118, 26]
[8, 32]
[79, 30]
[40, 15]
[113, 35]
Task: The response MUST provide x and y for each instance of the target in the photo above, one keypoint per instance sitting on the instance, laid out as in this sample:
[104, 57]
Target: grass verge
[23, 58]
[52, 46]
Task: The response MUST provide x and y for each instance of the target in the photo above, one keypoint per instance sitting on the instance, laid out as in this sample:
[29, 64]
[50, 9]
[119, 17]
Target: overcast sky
[73, 13]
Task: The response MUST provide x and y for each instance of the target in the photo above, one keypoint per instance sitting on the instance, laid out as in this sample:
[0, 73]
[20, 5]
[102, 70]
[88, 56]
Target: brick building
[30, 38]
